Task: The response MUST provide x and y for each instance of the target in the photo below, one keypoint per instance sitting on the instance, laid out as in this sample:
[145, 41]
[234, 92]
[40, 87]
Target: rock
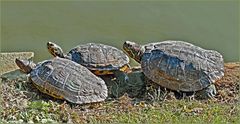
[13, 75]
[7, 60]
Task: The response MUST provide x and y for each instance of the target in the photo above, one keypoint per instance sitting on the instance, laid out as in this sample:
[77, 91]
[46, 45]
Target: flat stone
[7, 60]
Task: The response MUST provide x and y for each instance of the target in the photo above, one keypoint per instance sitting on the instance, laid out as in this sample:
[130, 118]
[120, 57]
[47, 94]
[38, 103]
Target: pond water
[27, 26]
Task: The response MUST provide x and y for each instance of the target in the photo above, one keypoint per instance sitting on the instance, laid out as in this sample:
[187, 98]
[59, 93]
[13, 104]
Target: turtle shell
[181, 66]
[99, 57]
[65, 79]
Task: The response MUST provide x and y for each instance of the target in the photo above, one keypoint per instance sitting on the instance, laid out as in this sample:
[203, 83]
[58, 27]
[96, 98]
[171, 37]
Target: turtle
[64, 79]
[179, 65]
[132, 83]
[101, 59]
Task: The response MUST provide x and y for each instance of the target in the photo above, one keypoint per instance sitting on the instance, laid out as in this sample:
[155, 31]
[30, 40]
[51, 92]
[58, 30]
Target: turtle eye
[129, 45]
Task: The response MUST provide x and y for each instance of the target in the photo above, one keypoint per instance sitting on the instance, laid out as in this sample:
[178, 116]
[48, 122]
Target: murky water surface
[27, 26]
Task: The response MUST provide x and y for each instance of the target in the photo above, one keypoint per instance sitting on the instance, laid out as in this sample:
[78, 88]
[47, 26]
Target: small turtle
[65, 79]
[99, 58]
[178, 65]
[133, 83]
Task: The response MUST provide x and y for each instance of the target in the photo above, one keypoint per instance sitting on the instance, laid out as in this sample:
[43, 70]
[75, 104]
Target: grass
[21, 103]
[174, 111]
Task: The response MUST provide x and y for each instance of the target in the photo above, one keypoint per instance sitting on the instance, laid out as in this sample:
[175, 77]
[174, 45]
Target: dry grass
[23, 103]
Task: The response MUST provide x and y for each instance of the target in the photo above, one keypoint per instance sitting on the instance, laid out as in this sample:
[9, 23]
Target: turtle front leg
[207, 93]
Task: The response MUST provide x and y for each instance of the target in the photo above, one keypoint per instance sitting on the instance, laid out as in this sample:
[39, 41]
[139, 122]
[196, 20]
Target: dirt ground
[228, 86]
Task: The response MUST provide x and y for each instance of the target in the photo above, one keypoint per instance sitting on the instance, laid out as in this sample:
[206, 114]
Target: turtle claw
[207, 93]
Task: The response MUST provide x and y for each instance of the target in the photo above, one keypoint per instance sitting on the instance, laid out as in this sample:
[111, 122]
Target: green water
[27, 26]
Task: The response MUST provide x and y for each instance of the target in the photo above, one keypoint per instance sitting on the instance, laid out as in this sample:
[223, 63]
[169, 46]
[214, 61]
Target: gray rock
[7, 60]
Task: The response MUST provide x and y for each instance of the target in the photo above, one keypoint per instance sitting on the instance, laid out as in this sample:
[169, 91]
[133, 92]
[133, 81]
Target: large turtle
[99, 58]
[178, 65]
[65, 79]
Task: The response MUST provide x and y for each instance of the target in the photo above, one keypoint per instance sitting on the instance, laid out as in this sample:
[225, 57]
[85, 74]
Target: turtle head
[55, 50]
[133, 50]
[25, 66]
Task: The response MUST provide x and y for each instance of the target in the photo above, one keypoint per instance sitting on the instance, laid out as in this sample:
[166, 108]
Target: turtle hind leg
[206, 93]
